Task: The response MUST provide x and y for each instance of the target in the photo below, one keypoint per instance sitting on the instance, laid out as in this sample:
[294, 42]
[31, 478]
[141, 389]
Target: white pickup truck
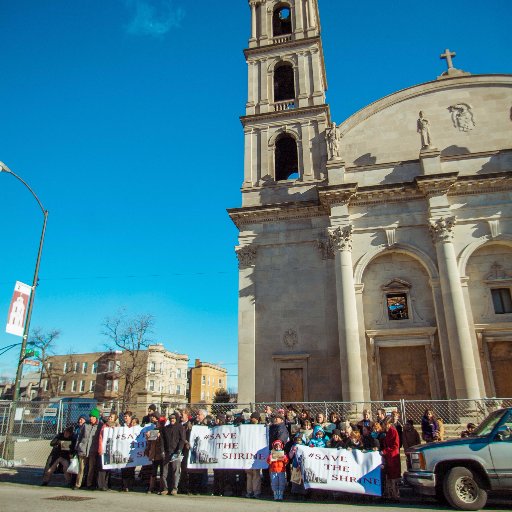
[463, 471]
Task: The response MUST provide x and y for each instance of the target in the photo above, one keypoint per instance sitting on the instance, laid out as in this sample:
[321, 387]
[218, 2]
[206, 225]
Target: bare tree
[43, 345]
[132, 336]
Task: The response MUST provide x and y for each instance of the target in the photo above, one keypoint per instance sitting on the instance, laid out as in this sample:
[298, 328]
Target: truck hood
[475, 442]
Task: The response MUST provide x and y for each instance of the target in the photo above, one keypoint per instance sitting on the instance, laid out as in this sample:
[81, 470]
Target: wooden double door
[292, 384]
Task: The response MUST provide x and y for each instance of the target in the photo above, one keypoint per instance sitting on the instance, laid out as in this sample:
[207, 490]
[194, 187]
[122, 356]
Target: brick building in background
[153, 375]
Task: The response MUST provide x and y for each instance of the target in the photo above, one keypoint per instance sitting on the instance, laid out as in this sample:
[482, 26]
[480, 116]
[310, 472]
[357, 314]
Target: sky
[122, 115]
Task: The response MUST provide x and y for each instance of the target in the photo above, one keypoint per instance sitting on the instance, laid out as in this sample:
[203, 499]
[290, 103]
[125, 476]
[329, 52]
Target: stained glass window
[396, 304]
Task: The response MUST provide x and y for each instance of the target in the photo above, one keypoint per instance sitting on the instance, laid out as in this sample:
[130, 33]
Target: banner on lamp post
[18, 309]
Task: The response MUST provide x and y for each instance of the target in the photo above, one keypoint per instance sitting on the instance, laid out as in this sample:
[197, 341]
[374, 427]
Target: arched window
[282, 21]
[286, 159]
[284, 87]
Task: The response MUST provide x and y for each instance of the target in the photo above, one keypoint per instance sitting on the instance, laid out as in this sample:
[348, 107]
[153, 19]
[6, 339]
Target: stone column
[348, 328]
[311, 15]
[246, 325]
[263, 36]
[459, 336]
[307, 142]
[248, 156]
[318, 92]
[299, 18]
[252, 86]
[253, 21]
[265, 82]
[302, 73]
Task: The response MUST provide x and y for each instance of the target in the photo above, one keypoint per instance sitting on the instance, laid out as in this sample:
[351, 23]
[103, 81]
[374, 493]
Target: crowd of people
[167, 448]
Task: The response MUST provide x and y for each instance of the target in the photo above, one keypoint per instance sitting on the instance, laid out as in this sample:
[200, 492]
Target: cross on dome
[448, 56]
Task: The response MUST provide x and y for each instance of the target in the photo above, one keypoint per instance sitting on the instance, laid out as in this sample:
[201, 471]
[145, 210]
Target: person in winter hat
[277, 462]
[318, 439]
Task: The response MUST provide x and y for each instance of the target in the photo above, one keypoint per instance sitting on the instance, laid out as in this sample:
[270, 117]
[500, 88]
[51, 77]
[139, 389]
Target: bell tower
[285, 126]
[286, 114]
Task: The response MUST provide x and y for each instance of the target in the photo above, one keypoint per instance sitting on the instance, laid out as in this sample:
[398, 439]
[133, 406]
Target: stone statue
[333, 137]
[424, 131]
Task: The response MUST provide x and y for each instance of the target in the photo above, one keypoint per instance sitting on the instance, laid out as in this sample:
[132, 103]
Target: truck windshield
[487, 426]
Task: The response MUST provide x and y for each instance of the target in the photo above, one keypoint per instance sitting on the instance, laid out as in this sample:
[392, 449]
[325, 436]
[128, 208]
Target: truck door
[501, 452]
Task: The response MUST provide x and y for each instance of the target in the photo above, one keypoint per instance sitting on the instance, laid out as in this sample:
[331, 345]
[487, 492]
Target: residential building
[204, 380]
[152, 375]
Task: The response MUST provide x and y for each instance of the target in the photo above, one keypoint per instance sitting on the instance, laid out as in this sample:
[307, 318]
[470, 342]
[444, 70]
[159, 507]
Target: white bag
[73, 466]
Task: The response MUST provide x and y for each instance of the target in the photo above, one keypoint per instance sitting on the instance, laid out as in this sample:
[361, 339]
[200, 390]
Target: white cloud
[153, 17]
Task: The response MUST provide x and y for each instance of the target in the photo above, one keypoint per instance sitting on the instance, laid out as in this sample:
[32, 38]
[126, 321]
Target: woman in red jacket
[391, 455]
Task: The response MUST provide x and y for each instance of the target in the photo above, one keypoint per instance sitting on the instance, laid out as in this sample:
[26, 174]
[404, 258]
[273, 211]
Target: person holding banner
[253, 476]
[319, 439]
[154, 453]
[104, 474]
[296, 472]
[198, 478]
[128, 474]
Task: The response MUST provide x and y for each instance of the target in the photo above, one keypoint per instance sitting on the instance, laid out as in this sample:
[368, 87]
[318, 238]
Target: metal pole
[29, 313]
[16, 394]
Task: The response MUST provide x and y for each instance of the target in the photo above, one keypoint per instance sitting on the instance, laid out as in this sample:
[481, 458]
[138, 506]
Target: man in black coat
[173, 441]
[277, 430]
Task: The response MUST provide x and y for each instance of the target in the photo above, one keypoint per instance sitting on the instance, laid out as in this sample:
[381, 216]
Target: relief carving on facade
[441, 229]
[246, 256]
[497, 273]
[341, 237]
[462, 116]
[290, 338]
[326, 248]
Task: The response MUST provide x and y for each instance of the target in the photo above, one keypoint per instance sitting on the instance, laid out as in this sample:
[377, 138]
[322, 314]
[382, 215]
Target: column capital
[341, 237]
[441, 229]
[246, 256]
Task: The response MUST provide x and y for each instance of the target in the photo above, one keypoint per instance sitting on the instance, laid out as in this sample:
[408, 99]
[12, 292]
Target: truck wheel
[463, 490]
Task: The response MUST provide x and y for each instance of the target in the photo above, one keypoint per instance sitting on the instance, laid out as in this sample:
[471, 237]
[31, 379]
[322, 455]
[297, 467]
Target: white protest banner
[123, 447]
[18, 309]
[341, 470]
[228, 447]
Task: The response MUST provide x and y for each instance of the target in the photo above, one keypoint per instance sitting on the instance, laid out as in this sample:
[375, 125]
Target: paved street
[20, 492]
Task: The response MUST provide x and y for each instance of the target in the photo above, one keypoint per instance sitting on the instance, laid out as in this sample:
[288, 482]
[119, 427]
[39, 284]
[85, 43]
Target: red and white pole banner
[18, 309]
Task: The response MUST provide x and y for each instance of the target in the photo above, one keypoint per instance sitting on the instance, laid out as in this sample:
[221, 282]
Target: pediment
[396, 285]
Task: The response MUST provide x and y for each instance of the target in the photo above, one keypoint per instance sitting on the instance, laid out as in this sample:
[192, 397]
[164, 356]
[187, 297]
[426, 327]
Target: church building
[375, 255]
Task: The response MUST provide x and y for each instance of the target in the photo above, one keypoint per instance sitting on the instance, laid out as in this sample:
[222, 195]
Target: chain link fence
[37, 422]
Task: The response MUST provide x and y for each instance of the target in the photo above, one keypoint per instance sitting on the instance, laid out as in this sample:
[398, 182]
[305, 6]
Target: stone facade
[381, 268]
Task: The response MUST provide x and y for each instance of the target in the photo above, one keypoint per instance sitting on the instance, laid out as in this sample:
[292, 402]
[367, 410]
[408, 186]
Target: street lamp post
[10, 427]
